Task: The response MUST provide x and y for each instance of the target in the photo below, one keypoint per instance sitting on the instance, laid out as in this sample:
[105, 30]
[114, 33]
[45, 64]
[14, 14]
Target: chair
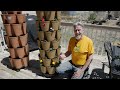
[113, 54]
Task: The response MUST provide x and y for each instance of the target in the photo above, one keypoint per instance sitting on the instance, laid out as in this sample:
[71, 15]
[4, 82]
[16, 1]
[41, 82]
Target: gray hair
[78, 24]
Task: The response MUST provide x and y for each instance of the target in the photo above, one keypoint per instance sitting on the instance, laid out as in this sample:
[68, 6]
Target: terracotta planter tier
[24, 28]
[25, 61]
[27, 49]
[14, 42]
[58, 51]
[11, 18]
[44, 25]
[50, 15]
[42, 53]
[45, 45]
[13, 53]
[8, 29]
[20, 52]
[58, 15]
[14, 12]
[40, 14]
[55, 25]
[46, 62]
[11, 62]
[50, 36]
[43, 69]
[23, 39]
[55, 44]
[4, 19]
[51, 70]
[7, 40]
[51, 54]
[56, 60]
[59, 21]
[17, 63]
[41, 35]
[39, 44]
[17, 28]
[21, 18]
[58, 34]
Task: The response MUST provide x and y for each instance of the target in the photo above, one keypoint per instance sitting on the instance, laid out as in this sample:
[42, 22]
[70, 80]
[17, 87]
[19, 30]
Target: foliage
[92, 17]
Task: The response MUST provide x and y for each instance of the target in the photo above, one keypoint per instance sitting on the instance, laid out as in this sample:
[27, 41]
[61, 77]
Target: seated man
[81, 48]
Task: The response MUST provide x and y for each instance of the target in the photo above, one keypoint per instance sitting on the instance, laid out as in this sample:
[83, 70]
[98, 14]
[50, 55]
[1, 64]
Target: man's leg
[64, 70]
[64, 67]
[75, 69]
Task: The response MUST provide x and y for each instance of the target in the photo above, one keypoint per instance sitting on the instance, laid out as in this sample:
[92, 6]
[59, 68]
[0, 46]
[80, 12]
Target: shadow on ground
[98, 73]
[6, 62]
[33, 65]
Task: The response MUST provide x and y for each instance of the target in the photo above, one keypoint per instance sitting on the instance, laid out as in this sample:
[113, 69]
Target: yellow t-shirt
[80, 49]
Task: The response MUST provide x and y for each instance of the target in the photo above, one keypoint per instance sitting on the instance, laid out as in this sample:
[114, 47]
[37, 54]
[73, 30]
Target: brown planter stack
[49, 36]
[16, 38]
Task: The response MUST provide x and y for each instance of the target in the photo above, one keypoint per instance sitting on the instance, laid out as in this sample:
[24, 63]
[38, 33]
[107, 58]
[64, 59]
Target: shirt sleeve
[69, 46]
[90, 47]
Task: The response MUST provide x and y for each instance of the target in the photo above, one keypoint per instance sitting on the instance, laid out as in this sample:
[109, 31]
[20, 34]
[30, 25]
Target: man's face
[78, 31]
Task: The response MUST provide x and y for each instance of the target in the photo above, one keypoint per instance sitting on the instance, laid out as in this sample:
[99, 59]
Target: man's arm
[68, 53]
[81, 70]
[64, 55]
[90, 55]
[87, 62]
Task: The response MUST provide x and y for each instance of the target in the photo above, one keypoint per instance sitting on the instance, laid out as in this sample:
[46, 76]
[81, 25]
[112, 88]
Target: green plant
[92, 17]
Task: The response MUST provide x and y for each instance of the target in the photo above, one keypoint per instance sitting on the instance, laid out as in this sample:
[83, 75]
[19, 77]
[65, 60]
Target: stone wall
[99, 34]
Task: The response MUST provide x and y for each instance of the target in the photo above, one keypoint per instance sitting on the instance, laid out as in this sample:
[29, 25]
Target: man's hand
[62, 56]
[78, 73]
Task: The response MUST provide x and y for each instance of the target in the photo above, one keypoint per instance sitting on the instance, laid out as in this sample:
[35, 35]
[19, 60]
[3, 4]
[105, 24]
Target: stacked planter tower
[16, 38]
[49, 36]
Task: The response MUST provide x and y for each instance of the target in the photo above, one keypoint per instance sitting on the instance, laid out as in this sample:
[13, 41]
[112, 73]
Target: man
[81, 48]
